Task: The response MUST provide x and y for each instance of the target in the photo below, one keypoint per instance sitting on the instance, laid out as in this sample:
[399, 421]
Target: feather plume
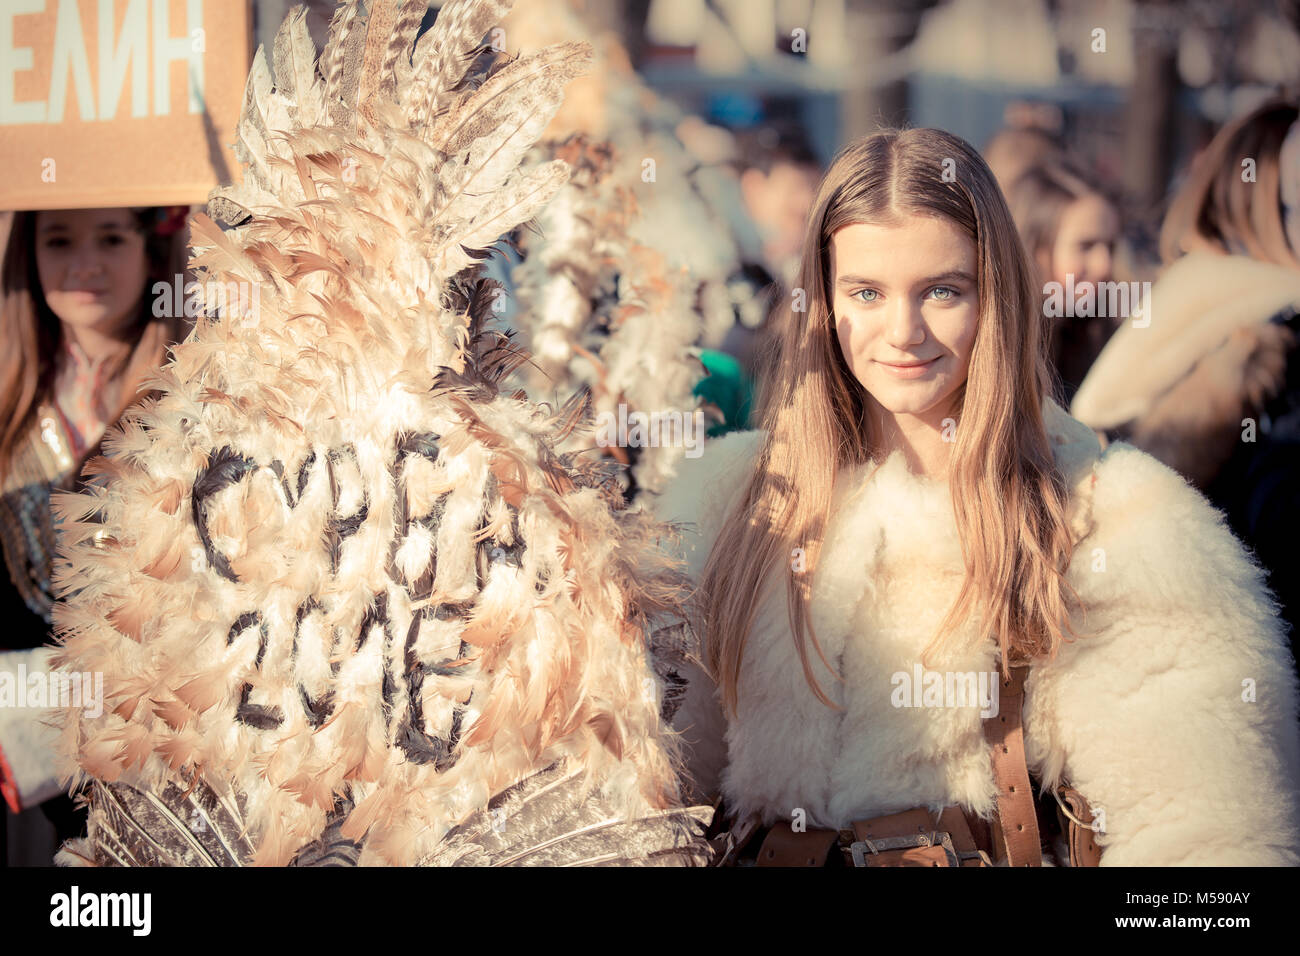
[442, 57]
[625, 279]
[389, 598]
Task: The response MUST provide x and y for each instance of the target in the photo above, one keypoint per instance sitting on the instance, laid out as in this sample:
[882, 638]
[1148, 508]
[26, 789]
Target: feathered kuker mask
[348, 601]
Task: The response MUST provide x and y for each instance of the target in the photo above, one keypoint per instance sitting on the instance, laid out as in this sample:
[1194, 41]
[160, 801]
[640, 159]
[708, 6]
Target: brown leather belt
[920, 837]
[912, 838]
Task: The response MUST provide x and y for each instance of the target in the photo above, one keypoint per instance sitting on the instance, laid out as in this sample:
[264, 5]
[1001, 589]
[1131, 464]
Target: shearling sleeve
[1174, 712]
[697, 500]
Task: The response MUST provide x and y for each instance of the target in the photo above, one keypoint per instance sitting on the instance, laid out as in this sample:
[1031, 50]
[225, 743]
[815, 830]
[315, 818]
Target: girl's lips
[910, 370]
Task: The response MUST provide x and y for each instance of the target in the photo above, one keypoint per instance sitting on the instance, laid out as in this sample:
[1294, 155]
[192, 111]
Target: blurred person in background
[1014, 150]
[1212, 386]
[80, 331]
[778, 173]
[778, 178]
[1069, 229]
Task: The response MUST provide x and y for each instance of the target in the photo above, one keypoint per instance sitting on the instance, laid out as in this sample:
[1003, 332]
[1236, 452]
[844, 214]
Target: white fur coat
[1174, 713]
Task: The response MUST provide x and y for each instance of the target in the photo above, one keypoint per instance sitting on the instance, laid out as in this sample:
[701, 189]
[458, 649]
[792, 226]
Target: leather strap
[1015, 835]
[1082, 839]
[784, 847]
[781, 846]
[969, 834]
[917, 822]
[1012, 836]
[905, 824]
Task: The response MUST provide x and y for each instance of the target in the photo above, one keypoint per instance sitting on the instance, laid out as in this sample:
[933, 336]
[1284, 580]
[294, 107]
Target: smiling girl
[80, 334]
[915, 505]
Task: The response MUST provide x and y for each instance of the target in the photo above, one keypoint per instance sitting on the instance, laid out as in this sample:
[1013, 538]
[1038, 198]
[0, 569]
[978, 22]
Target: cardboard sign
[119, 102]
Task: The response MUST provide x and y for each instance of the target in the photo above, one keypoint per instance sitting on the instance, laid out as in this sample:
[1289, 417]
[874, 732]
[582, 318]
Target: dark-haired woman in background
[81, 333]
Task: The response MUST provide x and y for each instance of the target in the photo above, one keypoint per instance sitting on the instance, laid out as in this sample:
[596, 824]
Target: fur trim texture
[1174, 712]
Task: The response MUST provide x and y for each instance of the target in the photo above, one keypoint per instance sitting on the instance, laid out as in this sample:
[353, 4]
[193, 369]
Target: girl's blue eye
[862, 292]
[950, 293]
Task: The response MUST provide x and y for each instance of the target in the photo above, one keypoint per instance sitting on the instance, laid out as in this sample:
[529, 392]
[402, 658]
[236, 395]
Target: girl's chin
[92, 318]
[913, 401]
[908, 395]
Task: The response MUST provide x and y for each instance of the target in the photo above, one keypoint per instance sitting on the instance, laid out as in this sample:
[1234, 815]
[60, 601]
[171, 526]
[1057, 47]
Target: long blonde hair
[1008, 498]
[33, 334]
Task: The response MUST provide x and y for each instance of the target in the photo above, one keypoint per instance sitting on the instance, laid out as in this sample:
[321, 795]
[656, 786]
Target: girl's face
[1085, 241]
[906, 307]
[93, 267]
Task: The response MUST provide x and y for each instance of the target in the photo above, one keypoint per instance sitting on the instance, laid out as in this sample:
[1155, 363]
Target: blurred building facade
[1133, 87]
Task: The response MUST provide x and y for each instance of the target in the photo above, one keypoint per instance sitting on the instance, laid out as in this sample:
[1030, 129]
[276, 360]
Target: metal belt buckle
[1056, 792]
[861, 848]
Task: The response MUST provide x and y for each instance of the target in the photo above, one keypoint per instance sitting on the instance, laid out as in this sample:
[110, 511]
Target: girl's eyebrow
[953, 275]
[106, 224]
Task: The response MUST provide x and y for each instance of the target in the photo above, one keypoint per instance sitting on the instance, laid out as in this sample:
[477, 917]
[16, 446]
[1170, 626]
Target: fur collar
[1196, 304]
[1143, 711]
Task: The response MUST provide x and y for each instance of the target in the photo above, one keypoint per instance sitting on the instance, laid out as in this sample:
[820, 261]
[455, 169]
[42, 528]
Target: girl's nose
[85, 263]
[906, 327]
